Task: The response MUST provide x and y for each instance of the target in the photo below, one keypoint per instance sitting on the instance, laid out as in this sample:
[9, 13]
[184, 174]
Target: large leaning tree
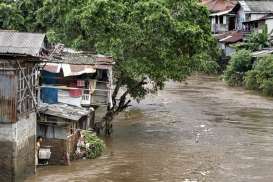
[151, 40]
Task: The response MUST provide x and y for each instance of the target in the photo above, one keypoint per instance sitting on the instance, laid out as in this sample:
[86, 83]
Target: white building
[253, 15]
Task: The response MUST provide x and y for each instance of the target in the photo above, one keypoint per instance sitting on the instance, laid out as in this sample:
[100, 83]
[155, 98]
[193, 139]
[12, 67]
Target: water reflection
[199, 131]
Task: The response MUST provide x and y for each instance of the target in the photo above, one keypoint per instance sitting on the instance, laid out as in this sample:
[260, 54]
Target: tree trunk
[106, 122]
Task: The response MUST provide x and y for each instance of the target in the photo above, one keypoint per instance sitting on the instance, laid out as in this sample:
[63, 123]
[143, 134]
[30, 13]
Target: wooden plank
[29, 87]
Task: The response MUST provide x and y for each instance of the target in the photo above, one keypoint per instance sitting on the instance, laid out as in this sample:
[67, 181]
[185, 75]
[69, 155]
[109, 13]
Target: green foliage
[96, 145]
[156, 39]
[239, 64]
[206, 64]
[257, 40]
[250, 80]
[10, 17]
[267, 87]
[261, 77]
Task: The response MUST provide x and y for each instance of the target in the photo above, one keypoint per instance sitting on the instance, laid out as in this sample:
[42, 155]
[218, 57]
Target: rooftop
[230, 37]
[266, 17]
[257, 6]
[21, 43]
[70, 56]
[215, 6]
[262, 53]
[64, 111]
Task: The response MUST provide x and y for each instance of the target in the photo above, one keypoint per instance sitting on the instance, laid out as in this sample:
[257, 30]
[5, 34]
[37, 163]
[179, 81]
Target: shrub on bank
[94, 145]
[239, 64]
[261, 77]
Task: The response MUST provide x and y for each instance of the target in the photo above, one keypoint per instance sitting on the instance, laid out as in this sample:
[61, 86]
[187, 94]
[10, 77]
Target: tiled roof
[215, 6]
[21, 43]
[230, 37]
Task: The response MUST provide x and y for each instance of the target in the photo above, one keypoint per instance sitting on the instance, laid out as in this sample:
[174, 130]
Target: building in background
[245, 16]
[223, 14]
[251, 12]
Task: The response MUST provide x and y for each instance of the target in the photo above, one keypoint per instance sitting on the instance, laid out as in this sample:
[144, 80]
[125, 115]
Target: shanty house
[59, 124]
[20, 54]
[72, 84]
[78, 79]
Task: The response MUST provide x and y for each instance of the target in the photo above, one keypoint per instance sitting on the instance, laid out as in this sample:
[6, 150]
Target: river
[198, 131]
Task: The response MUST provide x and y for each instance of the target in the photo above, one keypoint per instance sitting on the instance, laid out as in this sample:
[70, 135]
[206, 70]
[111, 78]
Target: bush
[257, 40]
[239, 64]
[267, 87]
[250, 81]
[95, 146]
[261, 77]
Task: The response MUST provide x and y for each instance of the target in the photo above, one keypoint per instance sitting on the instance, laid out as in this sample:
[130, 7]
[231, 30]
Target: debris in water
[197, 138]
[188, 180]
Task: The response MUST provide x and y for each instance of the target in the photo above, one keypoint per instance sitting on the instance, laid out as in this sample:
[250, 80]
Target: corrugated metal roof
[82, 59]
[266, 17]
[21, 43]
[64, 111]
[233, 37]
[74, 57]
[257, 6]
[262, 53]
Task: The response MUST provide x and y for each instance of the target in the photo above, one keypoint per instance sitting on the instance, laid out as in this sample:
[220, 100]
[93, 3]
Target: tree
[10, 17]
[153, 41]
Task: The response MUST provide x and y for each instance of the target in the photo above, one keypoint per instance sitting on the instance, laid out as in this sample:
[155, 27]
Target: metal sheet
[7, 97]
[21, 43]
[64, 111]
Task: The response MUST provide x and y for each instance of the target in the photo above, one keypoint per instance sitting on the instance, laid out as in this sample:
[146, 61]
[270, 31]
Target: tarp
[68, 69]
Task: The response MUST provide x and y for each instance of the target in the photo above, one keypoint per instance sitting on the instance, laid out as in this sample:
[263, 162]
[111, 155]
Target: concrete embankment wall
[17, 149]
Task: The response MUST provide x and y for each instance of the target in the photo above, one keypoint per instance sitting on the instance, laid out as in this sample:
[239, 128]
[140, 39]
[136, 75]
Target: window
[221, 19]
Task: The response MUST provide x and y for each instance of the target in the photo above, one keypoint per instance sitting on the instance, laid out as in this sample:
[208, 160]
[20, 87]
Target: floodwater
[199, 131]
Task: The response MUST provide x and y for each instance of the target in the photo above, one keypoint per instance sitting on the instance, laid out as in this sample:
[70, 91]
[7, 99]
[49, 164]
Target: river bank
[199, 131]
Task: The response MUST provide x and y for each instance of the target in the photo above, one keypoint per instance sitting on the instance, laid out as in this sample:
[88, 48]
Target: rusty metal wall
[7, 96]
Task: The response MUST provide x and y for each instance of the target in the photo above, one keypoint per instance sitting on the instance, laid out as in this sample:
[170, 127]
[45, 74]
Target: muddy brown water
[194, 132]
